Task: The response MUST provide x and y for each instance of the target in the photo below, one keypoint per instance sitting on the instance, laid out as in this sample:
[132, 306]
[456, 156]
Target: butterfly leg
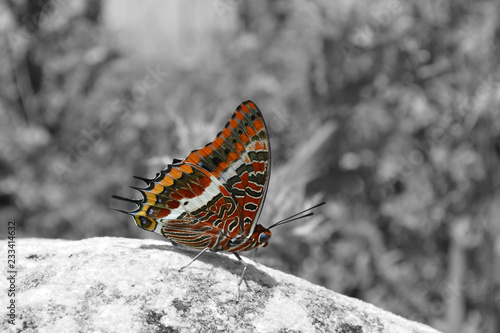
[254, 254]
[242, 274]
[194, 259]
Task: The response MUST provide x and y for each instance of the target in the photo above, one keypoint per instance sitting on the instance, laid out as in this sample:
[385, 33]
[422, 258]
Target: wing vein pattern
[213, 198]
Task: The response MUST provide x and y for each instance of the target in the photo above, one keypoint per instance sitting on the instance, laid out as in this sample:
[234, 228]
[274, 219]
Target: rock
[131, 285]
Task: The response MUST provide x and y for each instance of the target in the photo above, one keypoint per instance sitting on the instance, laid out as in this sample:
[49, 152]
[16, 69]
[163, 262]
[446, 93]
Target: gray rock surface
[132, 285]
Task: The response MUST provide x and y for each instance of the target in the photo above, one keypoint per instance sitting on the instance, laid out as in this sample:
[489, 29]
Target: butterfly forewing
[240, 158]
[213, 198]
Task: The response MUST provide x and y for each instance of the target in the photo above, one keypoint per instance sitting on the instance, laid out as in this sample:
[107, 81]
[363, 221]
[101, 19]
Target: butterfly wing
[188, 205]
[215, 195]
[240, 159]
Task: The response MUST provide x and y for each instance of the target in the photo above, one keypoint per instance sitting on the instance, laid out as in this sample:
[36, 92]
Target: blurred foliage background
[388, 110]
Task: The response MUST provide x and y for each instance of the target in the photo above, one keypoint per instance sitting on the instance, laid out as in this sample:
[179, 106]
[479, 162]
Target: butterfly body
[213, 198]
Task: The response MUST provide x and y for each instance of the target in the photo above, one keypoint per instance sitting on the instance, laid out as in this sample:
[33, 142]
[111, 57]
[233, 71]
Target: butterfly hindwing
[188, 205]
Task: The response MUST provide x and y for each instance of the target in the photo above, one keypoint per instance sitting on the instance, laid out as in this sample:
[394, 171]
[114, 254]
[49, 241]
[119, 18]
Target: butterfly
[213, 198]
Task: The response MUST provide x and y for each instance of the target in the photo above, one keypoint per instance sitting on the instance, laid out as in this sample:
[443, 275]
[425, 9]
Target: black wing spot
[205, 166]
[252, 117]
[232, 225]
[185, 203]
[216, 160]
[250, 206]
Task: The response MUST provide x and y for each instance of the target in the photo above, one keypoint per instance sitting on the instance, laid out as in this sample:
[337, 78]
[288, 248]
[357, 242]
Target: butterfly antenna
[297, 216]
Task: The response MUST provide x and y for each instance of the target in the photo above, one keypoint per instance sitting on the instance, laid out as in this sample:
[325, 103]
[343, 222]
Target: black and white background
[389, 110]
